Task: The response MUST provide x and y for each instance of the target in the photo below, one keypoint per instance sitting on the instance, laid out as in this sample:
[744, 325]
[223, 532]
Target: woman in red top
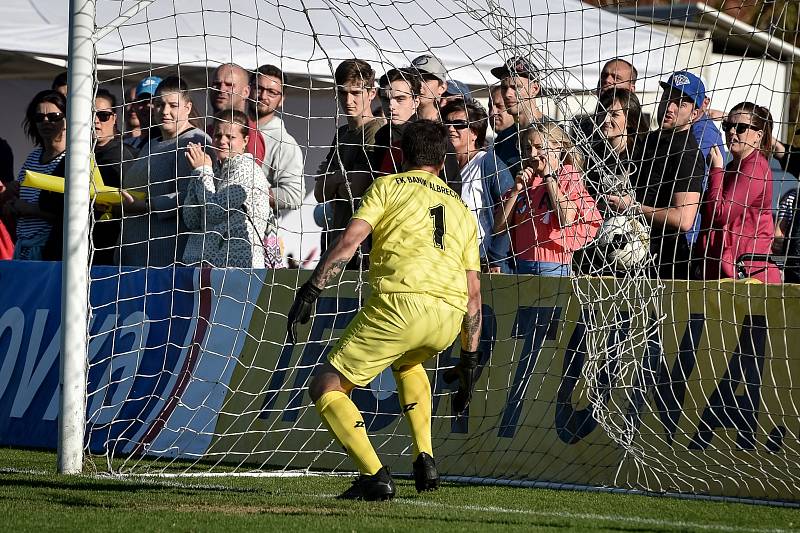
[737, 208]
[548, 210]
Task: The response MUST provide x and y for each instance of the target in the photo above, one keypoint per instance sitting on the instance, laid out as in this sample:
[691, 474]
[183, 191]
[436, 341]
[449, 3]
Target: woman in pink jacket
[737, 207]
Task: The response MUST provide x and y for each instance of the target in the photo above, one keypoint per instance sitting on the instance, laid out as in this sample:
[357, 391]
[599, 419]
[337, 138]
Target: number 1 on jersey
[437, 214]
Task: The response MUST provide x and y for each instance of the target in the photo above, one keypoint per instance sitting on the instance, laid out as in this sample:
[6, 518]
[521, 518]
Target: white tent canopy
[570, 40]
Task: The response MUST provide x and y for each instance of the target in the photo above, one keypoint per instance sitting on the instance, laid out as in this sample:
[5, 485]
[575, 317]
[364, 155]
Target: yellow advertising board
[706, 403]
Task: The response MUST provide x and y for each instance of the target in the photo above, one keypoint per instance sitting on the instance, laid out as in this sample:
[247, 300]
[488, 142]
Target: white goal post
[75, 277]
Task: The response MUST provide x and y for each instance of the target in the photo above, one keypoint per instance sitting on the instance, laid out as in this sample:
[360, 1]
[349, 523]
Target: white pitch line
[589, 516]
[26, 471]
[479, 508]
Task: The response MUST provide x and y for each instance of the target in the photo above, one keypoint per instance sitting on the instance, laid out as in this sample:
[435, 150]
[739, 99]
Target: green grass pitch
[34, 498]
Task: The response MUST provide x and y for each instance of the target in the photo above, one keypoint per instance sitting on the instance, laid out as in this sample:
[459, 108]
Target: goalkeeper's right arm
[467, 366]
[471, 325]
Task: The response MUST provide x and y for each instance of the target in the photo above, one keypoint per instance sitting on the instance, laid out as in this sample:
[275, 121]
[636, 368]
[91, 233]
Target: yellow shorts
[394, 329]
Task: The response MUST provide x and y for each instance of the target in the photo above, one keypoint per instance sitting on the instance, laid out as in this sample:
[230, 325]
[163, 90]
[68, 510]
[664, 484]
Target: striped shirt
[28, 227]
[786, 205]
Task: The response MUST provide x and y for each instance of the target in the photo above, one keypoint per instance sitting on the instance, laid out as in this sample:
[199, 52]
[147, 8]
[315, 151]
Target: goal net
[619, 372]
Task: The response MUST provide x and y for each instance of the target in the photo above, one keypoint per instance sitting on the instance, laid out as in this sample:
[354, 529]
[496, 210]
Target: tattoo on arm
[327, 271]
[470, 331]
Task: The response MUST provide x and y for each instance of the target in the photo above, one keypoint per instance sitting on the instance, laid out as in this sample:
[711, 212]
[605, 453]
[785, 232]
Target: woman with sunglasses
[484, 178]
[737, 206]
[153, 231]
[113, 158]
[109, 154]
[45, 124]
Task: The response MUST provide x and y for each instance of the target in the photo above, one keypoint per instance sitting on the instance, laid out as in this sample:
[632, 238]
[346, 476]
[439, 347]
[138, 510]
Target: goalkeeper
[425, 288]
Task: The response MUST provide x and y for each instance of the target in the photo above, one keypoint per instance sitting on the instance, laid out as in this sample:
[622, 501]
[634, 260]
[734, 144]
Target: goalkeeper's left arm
[332, 263]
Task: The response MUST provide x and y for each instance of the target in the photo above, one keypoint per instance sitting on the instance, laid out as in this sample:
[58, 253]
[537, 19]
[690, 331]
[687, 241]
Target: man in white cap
[434, 84]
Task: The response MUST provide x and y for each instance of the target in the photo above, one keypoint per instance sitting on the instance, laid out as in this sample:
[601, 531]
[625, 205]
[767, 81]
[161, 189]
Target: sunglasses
[741, 127]
[458, 124]
[50, 117]
[103, 116]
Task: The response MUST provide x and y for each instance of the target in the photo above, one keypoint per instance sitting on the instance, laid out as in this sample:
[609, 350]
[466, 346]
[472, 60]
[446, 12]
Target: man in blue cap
[433, 76]
[669, 179]
[142, 106]
[456, 90]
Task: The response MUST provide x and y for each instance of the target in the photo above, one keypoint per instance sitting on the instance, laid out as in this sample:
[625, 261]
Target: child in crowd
[228, 211]
[548, 211]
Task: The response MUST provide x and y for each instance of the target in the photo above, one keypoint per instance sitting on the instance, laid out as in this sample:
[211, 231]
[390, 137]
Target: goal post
[75, 276]
[611, 377]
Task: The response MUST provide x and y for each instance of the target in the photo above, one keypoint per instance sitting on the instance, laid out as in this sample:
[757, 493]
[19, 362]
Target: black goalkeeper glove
[301, 308]
[464, 372]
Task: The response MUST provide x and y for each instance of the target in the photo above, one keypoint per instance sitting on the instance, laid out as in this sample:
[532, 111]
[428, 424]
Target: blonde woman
[548, 211]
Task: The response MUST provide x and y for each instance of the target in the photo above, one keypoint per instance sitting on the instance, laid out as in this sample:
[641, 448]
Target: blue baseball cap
[148, 86]
[687, 83]
[457, 88]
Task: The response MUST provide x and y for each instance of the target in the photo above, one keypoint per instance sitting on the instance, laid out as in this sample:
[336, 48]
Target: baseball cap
[428, 64]
[457, 88]
[687, 83]
[148, 86]
[518, 66]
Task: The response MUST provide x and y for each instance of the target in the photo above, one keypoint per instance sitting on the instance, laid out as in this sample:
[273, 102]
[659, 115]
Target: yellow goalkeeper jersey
[424, 237]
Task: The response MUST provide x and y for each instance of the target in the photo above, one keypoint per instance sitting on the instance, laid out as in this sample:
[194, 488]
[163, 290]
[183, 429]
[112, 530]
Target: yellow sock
[414, 391]
[341, 416]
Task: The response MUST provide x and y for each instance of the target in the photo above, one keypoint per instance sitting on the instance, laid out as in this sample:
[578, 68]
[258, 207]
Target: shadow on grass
[112, 485]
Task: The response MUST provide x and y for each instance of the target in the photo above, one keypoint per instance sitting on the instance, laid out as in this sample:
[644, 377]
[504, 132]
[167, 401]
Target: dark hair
[233, 116]
[634, 72]
[424, 143]
[636, 123]
[405, 75]
[761, 118]
[29, 125]
[266, 70]
[173, 84]
[107, 95]
[476, 116]
[355, 71]
[60, 80]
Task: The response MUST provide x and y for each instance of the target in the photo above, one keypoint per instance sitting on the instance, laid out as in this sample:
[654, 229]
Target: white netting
[190, 370]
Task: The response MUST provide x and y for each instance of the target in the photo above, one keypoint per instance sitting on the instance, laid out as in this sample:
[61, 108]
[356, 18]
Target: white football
[625, 242]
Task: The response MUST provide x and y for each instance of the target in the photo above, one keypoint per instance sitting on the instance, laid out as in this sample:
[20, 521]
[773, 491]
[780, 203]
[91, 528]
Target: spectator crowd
[209, 190]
